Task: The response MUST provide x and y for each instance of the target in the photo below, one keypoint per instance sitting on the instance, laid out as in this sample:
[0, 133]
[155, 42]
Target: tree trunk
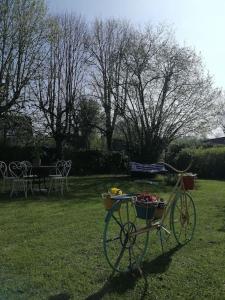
[109, 135]
[152, 150]
[150, 154]
[59, 148]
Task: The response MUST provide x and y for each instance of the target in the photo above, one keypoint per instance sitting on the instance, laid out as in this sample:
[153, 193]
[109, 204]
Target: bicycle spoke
[135, 258]
[116, 221]
[113, 239]
[189, 205]
[120, 240]
[128, 216]
[183, 218]
[120, 217]
[179, 208]
[130, 261]
[180, 233]
[121, 254]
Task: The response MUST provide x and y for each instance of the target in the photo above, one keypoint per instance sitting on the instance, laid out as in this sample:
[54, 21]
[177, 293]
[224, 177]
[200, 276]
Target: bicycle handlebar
[174, 169]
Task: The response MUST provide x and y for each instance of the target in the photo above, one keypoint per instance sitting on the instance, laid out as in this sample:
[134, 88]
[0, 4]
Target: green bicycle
[128, 225]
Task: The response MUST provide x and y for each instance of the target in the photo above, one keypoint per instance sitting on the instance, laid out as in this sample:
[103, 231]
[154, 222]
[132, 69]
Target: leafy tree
[168, 92]
[16, 129]
[85, 120]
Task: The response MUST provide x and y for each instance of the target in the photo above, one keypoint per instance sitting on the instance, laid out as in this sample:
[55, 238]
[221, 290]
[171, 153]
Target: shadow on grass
[119, 284]
[68, 198]
[161, 263]
[127, 281]
[62, 296]
[77, 185]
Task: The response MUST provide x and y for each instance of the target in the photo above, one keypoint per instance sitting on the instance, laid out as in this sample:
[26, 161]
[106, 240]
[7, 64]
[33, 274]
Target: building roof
[216, 141]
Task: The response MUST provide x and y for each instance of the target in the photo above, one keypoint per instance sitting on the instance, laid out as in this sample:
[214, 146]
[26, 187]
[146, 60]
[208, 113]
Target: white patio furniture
[7, 180]
[20, 181]
[60, 179]
[28, 170]
[28, 167]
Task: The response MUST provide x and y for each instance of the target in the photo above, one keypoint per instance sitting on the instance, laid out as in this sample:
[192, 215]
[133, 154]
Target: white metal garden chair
[7, 180]
[20, 182]
[28, 170]
[60, 179]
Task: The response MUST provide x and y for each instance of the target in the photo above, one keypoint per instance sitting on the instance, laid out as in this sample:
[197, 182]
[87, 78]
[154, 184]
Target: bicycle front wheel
[124, 247]
[183, 218]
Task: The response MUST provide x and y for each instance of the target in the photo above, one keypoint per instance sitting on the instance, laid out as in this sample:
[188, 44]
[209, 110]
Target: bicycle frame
[179, 187]
[122, 234]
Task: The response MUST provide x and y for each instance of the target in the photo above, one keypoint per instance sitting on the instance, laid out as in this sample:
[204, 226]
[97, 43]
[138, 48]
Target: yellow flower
[115, 191]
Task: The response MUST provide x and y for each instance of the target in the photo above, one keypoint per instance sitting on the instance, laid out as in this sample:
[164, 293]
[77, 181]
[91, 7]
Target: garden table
[43, 172]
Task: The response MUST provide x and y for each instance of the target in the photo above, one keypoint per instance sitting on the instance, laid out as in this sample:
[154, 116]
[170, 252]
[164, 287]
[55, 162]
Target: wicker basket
[145, 210]
[150, 210]
[188, 182]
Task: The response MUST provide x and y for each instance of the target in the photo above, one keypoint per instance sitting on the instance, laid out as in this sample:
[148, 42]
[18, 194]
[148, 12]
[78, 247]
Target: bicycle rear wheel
[124, 250]
[183, 218]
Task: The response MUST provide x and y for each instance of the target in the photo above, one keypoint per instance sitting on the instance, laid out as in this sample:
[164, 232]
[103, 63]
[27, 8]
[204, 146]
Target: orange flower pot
[158, 213]
[108, 202]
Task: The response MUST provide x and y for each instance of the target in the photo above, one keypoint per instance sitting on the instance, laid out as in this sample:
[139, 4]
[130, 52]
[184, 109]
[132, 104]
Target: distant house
[16, 130]
[215, 141]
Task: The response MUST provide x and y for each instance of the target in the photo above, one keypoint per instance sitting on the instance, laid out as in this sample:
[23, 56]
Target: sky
[199, 24]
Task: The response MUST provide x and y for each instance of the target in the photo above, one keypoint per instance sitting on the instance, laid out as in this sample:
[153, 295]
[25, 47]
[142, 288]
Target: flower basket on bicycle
[188, 182]
[145, 210]
[160, 209]
[108, 200]
[149, 207]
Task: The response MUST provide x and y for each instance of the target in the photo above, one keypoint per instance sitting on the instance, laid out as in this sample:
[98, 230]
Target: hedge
[15, 153]
[207, 163]
[97, 162]
[83, 162]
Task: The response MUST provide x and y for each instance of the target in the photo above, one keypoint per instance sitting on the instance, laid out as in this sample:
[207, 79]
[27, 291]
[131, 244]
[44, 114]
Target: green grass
[51, 247]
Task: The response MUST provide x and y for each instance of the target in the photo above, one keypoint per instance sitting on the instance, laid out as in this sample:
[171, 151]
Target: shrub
[96, 162]
[207, 163]
[83, 162]
[15, 153]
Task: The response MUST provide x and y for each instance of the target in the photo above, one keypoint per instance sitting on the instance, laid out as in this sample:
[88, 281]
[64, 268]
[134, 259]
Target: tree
[21, 43]
[219, 116]
[107, 47]
[85, 121]
[16, 129]
[60, 83]
[169, 94]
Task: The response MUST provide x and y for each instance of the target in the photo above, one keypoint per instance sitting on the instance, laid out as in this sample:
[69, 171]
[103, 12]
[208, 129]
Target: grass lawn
[51, 248]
